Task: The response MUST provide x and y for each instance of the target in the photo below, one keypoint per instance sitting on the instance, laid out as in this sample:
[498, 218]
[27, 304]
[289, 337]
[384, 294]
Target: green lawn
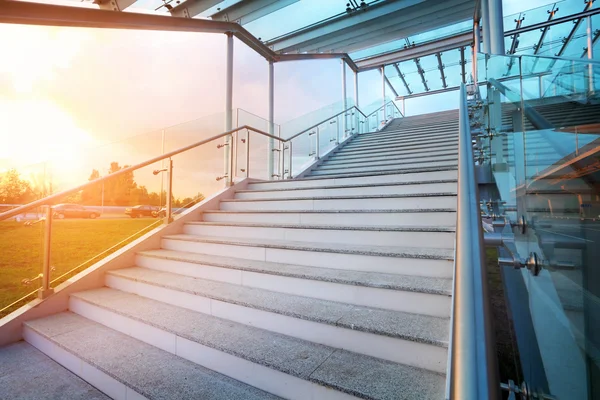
[74, 241]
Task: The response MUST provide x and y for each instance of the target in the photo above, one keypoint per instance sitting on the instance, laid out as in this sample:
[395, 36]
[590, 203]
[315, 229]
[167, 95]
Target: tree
[92, 195]
[14, 190]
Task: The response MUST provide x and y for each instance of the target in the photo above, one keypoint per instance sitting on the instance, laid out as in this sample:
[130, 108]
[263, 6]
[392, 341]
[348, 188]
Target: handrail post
[247, 153]
[317, 147]
[290, 176]
[473, 368]
[271, 153]
[228, 107]
[169, 206]
[46, 290]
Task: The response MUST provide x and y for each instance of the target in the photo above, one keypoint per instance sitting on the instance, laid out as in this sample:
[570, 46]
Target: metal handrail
[383, 106]
[473, 368]
[323, 121]
[51, 198]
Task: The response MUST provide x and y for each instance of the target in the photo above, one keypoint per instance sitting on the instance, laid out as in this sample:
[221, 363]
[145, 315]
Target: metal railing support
[45, 290]
[344, 94]
[356, 89]
[247, 153]
[473, 369]
[228, 109]
[271, 154]
[383, 91]
[169, 206]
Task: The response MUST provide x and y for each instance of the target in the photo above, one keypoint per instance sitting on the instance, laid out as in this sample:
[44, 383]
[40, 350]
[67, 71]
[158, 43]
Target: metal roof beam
[594, 40]
[441, 68]
[247, 11]
[21, 12]
[515, 38]
[381, 71]
[395, 26]
[538, 46]
[422, 73]
[540, 25]
[381, 14]
[191, 8]
[449, 43]
[372, 37]
[401, 76]
[114, 5]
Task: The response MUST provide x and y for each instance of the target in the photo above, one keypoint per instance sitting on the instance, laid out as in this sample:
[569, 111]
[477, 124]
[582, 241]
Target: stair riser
[387, 167]
[413, 203]
[395, 153]
[339, 219]
[392, 349]
[379, 159]
[245, 371]
[377, 179]
[413, 129]
[389, 163]
[344, 261]
[373, 238]
[383, 146]
[79, 367]
[370, 190]
[417, 303]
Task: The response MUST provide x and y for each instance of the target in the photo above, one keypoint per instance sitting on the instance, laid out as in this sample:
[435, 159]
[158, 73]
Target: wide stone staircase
[334, 286]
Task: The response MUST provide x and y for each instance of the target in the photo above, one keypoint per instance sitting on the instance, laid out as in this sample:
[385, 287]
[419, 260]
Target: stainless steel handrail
[383, 106]
[51, 198]
[473, 368]
[323, 121]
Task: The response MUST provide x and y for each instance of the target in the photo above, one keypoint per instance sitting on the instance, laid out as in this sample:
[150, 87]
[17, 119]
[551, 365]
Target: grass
[74, 242]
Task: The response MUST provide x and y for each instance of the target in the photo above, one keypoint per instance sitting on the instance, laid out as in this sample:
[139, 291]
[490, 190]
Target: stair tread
[22, 363]
[387, 172]
[406, 228]
[368, 196]
[148, 370]
[388, 211]
[317, 363]
[380, 280]
[365, 185]
[414, 327]
[384, 251]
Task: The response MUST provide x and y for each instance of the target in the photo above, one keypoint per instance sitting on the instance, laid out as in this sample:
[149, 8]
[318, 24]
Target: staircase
[334, 286]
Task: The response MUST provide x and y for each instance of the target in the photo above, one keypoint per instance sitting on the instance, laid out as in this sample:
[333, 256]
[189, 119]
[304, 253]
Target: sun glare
[34, 131]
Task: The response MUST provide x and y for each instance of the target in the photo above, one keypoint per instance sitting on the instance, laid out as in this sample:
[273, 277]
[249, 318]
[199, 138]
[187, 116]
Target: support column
[271, 154]
[496, 27]
[485, 26]
[383, 92]
[228, 110]
[345, 103]
[476, 50]
[356, 90]
[590, 55]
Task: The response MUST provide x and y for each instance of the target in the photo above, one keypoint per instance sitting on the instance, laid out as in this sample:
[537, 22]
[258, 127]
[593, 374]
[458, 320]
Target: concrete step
[370, 202]
[351, 147]
[414, 294]
[386, 163]
[448, 185]
[366, 331]
[27, 373]
[274, 362]
[430, 148]
[339, 218]
[127, 368]
[409, 236]
[386, 167]
[400, 137]
[375, 158]
[419, 261]
[394, 153]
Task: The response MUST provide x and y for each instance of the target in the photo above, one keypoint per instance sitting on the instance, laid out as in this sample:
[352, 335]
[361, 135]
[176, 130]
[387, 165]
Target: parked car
[161, 213]
[73, 211]
[142, 211]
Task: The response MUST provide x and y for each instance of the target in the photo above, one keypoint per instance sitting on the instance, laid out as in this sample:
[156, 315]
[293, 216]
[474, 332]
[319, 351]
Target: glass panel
[296, 125]
[550, 175]
[21, 237]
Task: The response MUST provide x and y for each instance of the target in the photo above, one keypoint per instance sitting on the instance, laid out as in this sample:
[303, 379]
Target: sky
[64, 90]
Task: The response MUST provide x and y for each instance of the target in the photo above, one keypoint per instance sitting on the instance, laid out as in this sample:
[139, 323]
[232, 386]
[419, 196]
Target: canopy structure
[423, 46]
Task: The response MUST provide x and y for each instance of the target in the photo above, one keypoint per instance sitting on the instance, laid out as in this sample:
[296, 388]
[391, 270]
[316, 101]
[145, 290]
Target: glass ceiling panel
[452, 68]
[421, 38]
